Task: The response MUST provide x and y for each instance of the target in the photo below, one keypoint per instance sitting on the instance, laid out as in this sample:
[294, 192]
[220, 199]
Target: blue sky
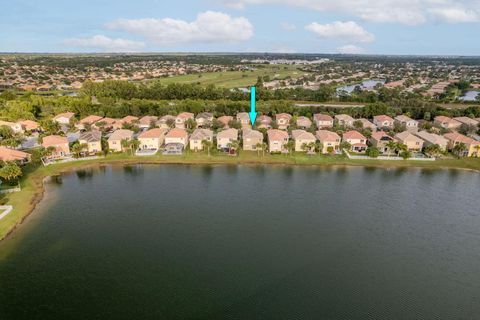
[439, 27]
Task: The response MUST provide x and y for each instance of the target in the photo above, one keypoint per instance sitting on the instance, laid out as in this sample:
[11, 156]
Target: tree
[405, 154]
[125, 143]
[290, 146]
[433, 150]
[460, 149]
[391, 146]
[78, 148]
[259, 147]
[373, 152]
[207, 145]
[345, 145]
[134, 144]
[10, 171]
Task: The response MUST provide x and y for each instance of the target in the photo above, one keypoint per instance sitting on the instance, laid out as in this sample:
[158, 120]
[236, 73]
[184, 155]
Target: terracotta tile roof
[264, 119]
[379, 135]
[201, 134]
[405, 135]
[147, 120]
[382, 118]
[275, 134]
[54, 140]
[302, 134]
[29, 125]
[322, 117]
[129, 119]
[285, 116]
[228, 133]
[457, 137]
[353, 135]
[90, 119]
[153, 133]
[121, 134]
[7, 154]
[225, 120]
[252, 134]
[325, 135]
[177, 133]
[186, 115]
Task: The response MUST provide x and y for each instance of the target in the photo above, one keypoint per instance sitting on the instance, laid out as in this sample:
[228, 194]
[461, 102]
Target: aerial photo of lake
[247, 242]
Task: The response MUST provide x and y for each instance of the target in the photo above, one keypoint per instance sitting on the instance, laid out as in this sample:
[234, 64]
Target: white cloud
[456, 15]
[345, 31]
[101, 42]
[350, 49]
[409, 12]
[288, 26]
[209, 27]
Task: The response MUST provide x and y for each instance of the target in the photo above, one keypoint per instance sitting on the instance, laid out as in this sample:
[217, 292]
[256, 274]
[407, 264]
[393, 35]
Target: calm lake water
[470, 96]
[193, 242]
[365, 85]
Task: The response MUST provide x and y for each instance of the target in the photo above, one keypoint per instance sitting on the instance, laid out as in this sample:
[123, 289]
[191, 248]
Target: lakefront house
[357, 141]
[303, 140]
[412, 142]
[58, 144]
[152, 139]
[198, 137]
[277, 139]
[116, 138]
[226, 137]
[329, 140]
[251, 139]
[93, 140]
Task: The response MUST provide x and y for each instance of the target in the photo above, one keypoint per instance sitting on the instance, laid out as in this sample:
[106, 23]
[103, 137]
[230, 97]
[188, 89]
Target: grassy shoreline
[24, 202]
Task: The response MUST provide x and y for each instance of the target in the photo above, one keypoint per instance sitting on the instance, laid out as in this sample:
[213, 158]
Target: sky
[400, 27]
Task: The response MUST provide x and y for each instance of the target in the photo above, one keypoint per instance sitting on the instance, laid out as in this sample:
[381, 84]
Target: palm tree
[290, 146]
[264, 148]
[305, 147]
[391, 145]
[134, 144]
[125, 144]
[259, 147]
[207, 145]
[433, 150]
[460, 149]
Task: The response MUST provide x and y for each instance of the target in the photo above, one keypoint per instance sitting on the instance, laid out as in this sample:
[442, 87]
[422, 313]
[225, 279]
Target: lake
[228, 242]
[365, 85]
[470, 96]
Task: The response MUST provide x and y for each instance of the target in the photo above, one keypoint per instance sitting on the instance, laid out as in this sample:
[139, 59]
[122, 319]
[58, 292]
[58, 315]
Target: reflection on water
[248, 242]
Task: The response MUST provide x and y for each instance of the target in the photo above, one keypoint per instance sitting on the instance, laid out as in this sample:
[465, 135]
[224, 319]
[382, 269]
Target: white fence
[47, 162]
[385, 158]
[6, 210]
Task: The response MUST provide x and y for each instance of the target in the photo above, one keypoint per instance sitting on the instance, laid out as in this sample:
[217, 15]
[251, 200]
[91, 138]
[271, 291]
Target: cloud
[104, 43]
[209, 27]
[456, 15]
[350, 49]
[288, 26]
[409, 12]
[345, 31]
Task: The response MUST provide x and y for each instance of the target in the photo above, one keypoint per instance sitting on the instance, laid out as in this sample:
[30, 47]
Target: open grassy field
[32, 182]
[236, 79]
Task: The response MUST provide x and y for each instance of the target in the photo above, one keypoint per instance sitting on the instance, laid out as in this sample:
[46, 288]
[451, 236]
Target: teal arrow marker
[253, 113]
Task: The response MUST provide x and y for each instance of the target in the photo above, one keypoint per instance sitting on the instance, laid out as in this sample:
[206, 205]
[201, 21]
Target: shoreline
[33, 182]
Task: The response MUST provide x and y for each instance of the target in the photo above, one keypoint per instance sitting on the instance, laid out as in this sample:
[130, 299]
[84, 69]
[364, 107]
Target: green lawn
[235, 79]
[24, 201]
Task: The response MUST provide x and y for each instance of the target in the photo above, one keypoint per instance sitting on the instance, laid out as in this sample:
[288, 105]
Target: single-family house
[87, 121]
[177, 136]
[264, 122]
[329, 140]
[129, 120]
[116, 138]
[15, 126]
[105, 124]
[29, 125]
[197, 138]
[357, 140]
[412, 142]
[410, 124]
[432, 139]
[244, 119]
[468, 121]
[304, 122]
[93, 140]
[58, 144]
[152, 139]
[344, 120]
[147, 122]
[251, 138]
[447, 123]
[203, 120]
[64, 118]
[166, 122]
[182, 118]
[303, 138]
[380, 140]
[323, 121]
[277, 139]
[472, 147]
[225, 120]
[366, 124]
[383, 121]
[7, 154]
[283, 120]
[226, 137]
